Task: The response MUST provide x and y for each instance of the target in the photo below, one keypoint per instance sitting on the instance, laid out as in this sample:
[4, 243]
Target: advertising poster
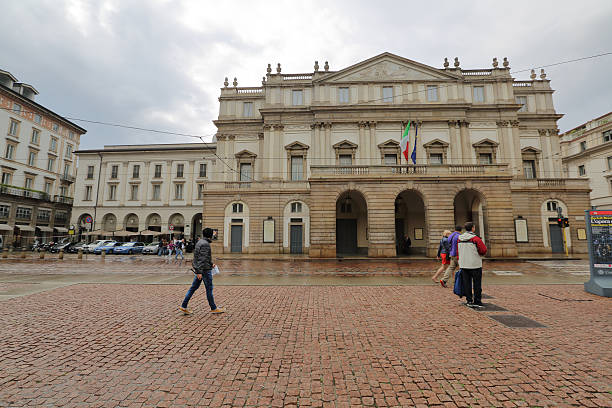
[599, 235]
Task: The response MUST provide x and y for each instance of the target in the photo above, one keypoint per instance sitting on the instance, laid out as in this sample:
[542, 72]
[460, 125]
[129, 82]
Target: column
[168, 179]
[466, 146]
[373, 154]
[328, 150]
[420, 151]
[144, 194]
[504, 152]
[455, 153]
[515, 143]
[260, 163]
[190, 183]
[279, 154]
[267, 135]
[363, 146]
[123, 184]
[231, 159]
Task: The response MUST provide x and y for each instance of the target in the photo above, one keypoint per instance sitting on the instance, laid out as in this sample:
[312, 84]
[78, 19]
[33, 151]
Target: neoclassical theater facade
[311, 163]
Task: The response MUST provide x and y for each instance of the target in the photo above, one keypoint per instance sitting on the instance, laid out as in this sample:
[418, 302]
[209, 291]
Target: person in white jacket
[471, 249]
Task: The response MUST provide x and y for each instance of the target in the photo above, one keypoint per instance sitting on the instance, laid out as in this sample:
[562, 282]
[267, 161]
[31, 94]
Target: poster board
[599, 239]
[268, 231]
[520, 230]
[418, 233]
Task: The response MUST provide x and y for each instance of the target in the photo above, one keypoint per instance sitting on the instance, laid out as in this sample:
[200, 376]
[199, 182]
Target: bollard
[103, 255]
[4, 254]
[61, 254]
[41, 255]
[80, 255]
[23, 253]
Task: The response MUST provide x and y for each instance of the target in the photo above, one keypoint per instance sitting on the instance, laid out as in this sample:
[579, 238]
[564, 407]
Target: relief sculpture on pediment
[386, 70]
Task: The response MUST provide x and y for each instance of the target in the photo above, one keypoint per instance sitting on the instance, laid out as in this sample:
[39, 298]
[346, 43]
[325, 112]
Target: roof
[149, 148]
[585, 123]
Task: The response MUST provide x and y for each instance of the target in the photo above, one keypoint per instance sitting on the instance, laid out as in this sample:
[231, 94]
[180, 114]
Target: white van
[90, 248]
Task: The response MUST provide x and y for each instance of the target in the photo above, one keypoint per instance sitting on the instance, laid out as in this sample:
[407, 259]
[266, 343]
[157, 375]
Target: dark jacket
[453, 239]
[202, 256]
[444, 247]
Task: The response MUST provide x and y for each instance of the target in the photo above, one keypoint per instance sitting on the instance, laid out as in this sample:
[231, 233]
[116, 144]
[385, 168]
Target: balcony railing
[551, 183]
[63, 199]
[24, 192]
[418, 170]
[66, 178]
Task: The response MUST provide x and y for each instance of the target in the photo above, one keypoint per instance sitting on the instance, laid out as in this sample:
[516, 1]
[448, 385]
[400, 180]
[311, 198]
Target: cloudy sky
[160, 64]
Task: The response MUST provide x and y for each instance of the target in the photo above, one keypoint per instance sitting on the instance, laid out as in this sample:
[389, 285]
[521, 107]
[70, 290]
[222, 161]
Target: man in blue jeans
[202, 265]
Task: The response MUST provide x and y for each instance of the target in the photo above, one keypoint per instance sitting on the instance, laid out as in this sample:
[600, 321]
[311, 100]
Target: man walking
[202, 265]
[179, 246]
[452, 239]
[470, 251]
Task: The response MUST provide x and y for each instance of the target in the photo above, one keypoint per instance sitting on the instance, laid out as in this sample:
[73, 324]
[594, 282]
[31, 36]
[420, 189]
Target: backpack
[458, 289]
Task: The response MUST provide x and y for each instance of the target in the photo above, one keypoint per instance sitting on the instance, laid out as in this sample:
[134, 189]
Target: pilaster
[466, 146]
[456, 154]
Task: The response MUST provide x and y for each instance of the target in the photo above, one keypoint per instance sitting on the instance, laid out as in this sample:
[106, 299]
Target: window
[432, 93]
[247, 109]
[63, 191]
[23, 213]
[609, 162]
[48, 187]
[53, 145]
[343, 95]
[156, 192]
[16, 108]
[297, 168]
[203, 170]
[66, 170]
[346, 207]
[90, 171]
[387, 94]
[13, 128]
[136, 171]
[178, 191]
[112, 192]
[61, 216]
[71, 135]
[522, 100]
[479, 94]
[485, 158]
[436, 158]
[551, 206]
[296, 207]
[158, 170]
[246, 171]
[37, 118]
[10, 152]
[51, 164]
[35, 136]
[529, 169]
[68, 151]
[87, 193]
[237, 208]
[4, 211]
[345, 159]
[31, 158]
[43, 215]
[29, 183]
[391, 159]
[134, 192]
[200, 191]
[298, 97]
[55, 127]
[180, 169]
[583, 146]
[607, 135]
[581, 170]
[114, 172]
[6, 178]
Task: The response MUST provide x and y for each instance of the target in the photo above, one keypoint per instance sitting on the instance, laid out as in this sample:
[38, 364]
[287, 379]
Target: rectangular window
[37, 118]
[522, 100]
[90, 172]
[391, 159]
[436, 158]
[203, 170]
[485, 158]
[583, 146]
[345, 160]
[158, 170]
[53, 145]
[63, 191]
[55, 127]
[246, 172]
[71, 135]
[112, 192]
[581, 170]
[7, 178]
[114, 172]
[298, 97]
[136, 171]
[23, 213]
[35, 136]
[16, 108]
[4, 211]
[200, 191]
[178, 191]
[10, 152]
[180, 169]
[479, 94]
[297, 168]
[247, 109]
[61, 216]
[237, 208]
[432, 93]
[529, 169]
[66, 170]
[134, 192]
[31, 158]
[156, 192]
[87, 193]
[607, 135]
[48, 187]
[68, 151]
[296, 207]
[13, 128]
[50, 164]
[43, 215]
[29, 183]
[387, 94]
[609, 162]
[343, 95]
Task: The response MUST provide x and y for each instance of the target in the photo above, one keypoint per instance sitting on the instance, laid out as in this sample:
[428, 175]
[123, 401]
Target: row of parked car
[116, 247]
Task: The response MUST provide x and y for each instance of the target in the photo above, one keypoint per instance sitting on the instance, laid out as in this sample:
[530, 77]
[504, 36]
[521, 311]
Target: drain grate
[516, 321]
[490, 307]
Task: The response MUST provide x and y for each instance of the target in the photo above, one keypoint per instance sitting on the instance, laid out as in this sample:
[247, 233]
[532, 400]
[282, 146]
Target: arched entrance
[351, 224]
[177, 221]
[83, 226]
[153, 222]
[109, 223]
[410, 223]
[131, 223]
[469, 205]
[196, 226]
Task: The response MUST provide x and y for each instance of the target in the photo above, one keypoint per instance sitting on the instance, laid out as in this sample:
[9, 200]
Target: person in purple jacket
[453, 239]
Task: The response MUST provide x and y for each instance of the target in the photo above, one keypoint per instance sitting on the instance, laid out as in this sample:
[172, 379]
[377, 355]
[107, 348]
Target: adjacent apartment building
[311, 163]
[38, 166]
[587, 153]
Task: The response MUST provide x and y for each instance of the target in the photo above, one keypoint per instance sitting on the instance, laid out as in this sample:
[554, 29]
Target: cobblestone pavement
[127, 345]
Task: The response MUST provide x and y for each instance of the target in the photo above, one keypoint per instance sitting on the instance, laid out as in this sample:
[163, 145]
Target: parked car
[108, 248]
[90, 247]
[65, 246]
[75, 248]
[129, 248]
[151, 248]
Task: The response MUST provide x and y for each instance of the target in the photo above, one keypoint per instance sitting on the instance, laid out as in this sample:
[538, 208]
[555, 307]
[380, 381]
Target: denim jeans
[208, 284]
[179, 252]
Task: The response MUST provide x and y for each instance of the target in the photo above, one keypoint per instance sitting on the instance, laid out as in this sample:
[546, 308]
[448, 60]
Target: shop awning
[25, 228]
[149, 233]
[6, 227]
[123, 233]
[45, 229]
[60, 229]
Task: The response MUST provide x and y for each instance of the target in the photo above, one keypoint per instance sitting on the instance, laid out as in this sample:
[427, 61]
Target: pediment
[436, 143]
[389, 143]
[530, 149]
[297, 146]
[345, 144]
[245, 153]
[486, 143]
[388, 67]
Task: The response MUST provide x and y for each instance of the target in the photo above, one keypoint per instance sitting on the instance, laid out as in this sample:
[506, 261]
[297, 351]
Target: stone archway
[351, 224]
[130, 223]
[109, 223]
[410, 221]
[153, 222]
[469, 205]
[177, 221]
[196, 227]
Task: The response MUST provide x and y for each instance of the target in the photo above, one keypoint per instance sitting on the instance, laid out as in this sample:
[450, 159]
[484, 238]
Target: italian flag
[405, 141]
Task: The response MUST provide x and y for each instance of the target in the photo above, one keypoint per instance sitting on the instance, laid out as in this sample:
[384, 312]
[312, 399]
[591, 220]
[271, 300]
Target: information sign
[599, 236]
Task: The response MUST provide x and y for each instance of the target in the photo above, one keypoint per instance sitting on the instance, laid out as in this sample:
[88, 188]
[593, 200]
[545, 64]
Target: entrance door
[556, 238]
[346, 236]
[399, 236]
[236, 236]
[295, 245]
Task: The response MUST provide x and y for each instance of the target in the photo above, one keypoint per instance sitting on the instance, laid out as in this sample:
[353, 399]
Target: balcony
[66, 178]
[63, 200]
[418, 170]
[24, 192]
[551, 184]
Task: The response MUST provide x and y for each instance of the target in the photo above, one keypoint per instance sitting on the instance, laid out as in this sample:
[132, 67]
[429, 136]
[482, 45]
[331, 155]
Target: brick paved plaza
[307, 345]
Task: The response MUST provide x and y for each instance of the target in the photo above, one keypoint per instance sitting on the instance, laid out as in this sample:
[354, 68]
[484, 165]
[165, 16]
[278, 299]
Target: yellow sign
[70, 232]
